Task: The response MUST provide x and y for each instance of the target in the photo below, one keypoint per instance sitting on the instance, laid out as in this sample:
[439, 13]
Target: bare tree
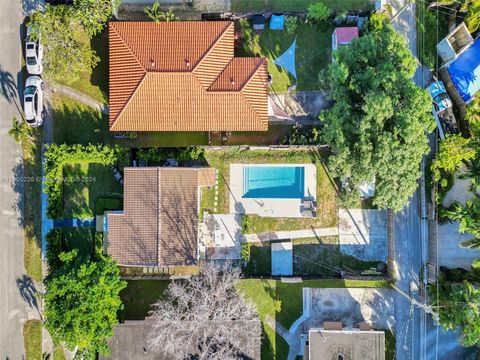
[205, 317]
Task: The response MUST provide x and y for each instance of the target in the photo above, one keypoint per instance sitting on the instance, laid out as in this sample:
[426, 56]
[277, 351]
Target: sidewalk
[296, 234]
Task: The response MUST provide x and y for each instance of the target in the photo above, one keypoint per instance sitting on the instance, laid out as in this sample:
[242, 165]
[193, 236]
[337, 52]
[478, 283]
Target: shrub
[291, 24]
[302, 136]
[454, 150]
[245, 224]
[319, 13]
[246, 251]
[55, 246]
[57, 156]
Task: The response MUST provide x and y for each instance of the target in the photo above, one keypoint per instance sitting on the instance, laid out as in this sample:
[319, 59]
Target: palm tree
[20, 131]
[468, 217]
[472, 173]
[156, 15]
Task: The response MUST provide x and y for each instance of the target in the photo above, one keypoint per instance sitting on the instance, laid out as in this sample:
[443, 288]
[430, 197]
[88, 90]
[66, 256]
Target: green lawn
[81, 239]
[298, 5]
[95, 82]
[32, 168]
[32, 339]
[283, 302]
[313, 53]
[139, 295]
[59, 353]
[75, 123]
[326, 192]
[322, 257]
[260, 262]
[84, 185]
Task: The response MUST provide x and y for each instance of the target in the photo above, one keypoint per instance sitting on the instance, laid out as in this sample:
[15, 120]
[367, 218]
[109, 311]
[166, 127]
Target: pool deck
[269, 207]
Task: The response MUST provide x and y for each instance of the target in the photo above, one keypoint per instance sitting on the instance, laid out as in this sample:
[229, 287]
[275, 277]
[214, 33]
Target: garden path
[78, 96]
[294, 234]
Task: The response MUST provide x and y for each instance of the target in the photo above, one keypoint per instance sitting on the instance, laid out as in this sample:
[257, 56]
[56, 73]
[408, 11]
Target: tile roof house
[183, 76]
[159, 222]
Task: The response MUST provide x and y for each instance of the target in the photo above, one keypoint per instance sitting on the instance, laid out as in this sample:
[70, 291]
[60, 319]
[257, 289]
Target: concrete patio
[269, 207]
[363, 233]
[220, 237]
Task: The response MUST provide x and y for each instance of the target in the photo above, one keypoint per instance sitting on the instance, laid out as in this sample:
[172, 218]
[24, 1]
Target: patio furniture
[332, 325]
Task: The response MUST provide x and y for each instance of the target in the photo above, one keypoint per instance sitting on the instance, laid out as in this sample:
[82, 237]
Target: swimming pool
[274, 182]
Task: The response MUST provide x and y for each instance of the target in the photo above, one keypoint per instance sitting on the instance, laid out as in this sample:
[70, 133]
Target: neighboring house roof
[130, 341]
[345, 35]
[465, 71]
[352, 344]
[183, 76]
[159, 223]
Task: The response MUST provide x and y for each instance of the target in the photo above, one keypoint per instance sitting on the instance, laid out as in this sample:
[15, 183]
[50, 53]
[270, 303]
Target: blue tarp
[277, 22]
[287, 59]
[465, 72]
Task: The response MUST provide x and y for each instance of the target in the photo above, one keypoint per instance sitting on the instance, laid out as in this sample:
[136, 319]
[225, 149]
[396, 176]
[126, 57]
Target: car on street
[33, 101]
[33, 53]
[442, 109]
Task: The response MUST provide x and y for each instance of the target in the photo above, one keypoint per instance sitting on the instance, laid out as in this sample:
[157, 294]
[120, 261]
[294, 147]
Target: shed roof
[345, 35]
[158, 226]
[183, 76]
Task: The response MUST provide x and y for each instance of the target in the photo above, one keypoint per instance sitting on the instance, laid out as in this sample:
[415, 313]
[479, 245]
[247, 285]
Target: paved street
[13, 308]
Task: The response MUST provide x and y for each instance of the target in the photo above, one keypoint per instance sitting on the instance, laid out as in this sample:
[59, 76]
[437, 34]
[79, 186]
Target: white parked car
[33, 54]
[33, 101]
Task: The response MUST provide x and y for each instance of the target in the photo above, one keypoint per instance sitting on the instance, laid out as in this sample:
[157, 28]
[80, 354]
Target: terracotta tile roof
[183, 76]
[159, 223]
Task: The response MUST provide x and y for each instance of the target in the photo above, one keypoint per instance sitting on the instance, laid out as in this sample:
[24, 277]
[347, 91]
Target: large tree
[205, 317]
[67, 50]
[458, 306]
[94, 14]
[378, 125]
[82, 301]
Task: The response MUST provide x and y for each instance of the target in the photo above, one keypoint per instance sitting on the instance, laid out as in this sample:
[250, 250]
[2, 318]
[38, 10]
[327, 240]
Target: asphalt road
[418, 336]
[13, 309]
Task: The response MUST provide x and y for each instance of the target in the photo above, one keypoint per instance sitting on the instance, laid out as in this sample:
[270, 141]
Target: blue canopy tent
[465, 72]
[287, 61]
[277, 22]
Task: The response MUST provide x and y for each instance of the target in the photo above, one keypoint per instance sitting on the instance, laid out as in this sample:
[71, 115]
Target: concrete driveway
[351, 306]
[363, 233]
[450, 253]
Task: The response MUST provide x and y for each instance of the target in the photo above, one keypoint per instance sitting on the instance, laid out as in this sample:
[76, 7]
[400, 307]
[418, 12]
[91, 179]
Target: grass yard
[313, 53]
[326, 191]
[298, 5]
[283, 302]
[95, 82]
[139, 295]
[260, 262]
[277, 134]
[84, 185]
[322, 257]
[32, 168]
[59, 353]
[32, 339]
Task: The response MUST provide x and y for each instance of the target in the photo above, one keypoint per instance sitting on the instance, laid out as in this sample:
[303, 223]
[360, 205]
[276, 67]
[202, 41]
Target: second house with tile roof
[183, 76]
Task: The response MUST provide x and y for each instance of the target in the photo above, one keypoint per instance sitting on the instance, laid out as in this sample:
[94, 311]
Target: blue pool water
[273, 182]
